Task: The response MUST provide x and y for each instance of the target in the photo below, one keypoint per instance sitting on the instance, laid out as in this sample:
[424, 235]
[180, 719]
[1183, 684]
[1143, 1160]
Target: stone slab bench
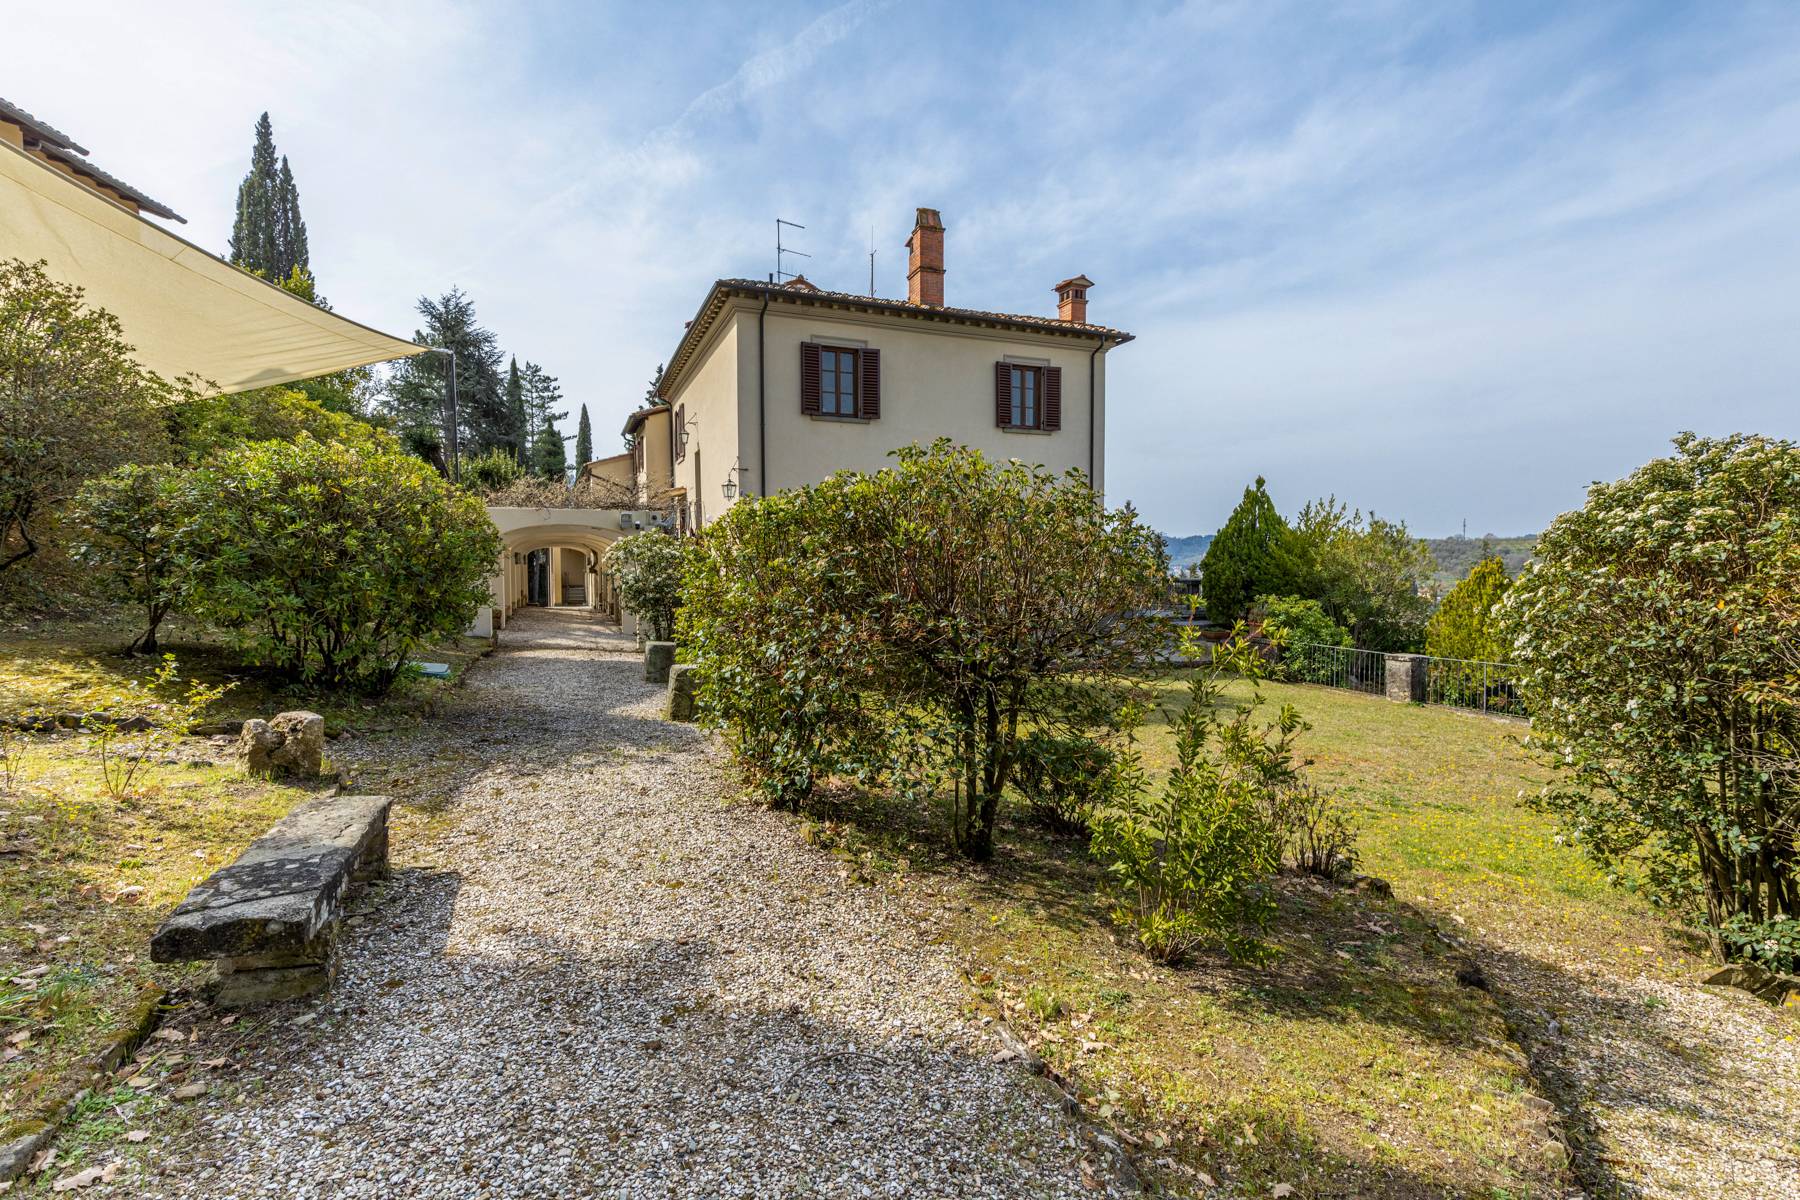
[270, 920]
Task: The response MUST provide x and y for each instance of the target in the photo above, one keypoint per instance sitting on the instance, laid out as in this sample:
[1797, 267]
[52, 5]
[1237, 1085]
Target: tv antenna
[780, 262]
[871, 262]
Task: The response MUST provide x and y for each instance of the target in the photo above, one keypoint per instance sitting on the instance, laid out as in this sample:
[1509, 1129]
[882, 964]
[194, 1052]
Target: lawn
[86, 876]
[1357, 1063]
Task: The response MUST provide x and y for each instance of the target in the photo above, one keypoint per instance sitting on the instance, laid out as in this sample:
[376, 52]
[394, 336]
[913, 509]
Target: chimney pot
[925, 259]
[1071, 299]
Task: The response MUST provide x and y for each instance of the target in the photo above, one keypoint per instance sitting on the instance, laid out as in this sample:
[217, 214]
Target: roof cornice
[724, 291]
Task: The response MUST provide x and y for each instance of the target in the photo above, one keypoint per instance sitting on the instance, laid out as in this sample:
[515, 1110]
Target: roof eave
[751, 289]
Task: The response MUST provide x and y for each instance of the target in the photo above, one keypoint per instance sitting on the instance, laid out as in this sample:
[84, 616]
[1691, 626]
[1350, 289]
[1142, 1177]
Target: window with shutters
[840, 381]
[837, 382]
[1027, 397]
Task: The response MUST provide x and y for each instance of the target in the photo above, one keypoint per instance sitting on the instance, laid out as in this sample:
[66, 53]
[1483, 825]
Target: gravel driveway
[596, 975]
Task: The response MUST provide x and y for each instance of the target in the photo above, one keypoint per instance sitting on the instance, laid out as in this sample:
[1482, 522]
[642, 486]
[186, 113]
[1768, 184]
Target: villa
[775, 385]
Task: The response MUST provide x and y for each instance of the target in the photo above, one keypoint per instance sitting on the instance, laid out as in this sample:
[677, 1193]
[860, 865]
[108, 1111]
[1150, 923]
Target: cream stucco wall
[937, 380]
[653, 480]
[709, 405]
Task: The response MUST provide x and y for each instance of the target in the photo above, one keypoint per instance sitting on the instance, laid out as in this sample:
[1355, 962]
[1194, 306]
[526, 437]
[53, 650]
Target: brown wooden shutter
[1052, 397]
[871, 385]
[1002, 394]
[809, 379]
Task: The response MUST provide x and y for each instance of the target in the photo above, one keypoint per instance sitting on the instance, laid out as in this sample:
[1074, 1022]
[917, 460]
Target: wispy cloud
[1443, 260]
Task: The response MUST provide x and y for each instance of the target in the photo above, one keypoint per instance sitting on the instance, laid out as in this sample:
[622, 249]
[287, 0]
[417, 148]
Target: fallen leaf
[213, 1064]
[229, 1019]
[80, 1179]
[170, 1035]
[190, 1091]
[1280, 1190]
[137, 1135]
[42, 1161]
[140, 1081]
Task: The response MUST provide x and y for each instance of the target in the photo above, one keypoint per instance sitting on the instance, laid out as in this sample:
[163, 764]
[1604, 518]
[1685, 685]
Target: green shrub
[920, 621]
[1315, 834]
[1368, 573]
[1190, 864]
[331, 562]
[485, 474]
[1062, 776]
[200, 426]
[783, 653]
[129, 524]
[1467, 624]
[1657, 633]
[648, 568]
[1300, 629]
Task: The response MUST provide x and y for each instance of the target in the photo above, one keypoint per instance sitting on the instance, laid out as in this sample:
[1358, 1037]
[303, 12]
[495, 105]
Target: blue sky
[1446, 261]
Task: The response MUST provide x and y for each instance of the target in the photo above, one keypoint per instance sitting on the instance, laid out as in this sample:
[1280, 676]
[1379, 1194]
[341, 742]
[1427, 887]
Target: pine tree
[517, 419]
[416, 398]
[542, 395]
[268, 235]
[584, 440]
[1255, 554]
[548, 458]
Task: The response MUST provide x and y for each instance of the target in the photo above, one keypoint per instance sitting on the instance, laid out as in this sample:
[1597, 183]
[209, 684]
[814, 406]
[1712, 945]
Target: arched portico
[574, 541]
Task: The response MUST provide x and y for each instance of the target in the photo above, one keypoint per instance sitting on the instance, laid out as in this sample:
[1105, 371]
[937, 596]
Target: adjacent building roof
[54, 144]
[38, 129]
[636, 420]
[84, 167]
[811, 296]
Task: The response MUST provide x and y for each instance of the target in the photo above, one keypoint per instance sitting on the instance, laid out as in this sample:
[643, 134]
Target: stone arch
[571, 535]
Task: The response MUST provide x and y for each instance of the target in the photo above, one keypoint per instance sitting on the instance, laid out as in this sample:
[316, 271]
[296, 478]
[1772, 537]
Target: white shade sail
[186, 311]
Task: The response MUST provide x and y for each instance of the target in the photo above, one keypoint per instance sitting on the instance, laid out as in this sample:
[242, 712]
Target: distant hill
[1186, 550]
[1455, 555]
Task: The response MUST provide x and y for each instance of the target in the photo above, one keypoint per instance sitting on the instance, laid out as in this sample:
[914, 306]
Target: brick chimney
[1071, 299]
[925, 263]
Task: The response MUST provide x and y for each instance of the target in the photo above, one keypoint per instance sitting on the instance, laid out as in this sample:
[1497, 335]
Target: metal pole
[455, 432]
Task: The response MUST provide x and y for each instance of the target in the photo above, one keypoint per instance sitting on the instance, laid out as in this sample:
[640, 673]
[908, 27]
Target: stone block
[1406, 678]
[681, 692]
[658, 658]
[266, 985]
[292, 743]
[286, 890]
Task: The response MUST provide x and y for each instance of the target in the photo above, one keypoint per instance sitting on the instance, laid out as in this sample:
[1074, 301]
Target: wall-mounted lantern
[730, 486]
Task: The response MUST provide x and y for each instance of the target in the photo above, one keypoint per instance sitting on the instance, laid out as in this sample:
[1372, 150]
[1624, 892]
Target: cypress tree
[290, 226]
[268, 235]
[515, 411]
[253, 231]
[584, 440]
[1255, 554]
